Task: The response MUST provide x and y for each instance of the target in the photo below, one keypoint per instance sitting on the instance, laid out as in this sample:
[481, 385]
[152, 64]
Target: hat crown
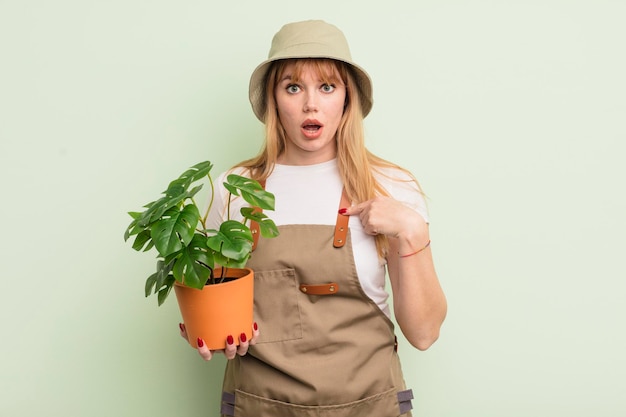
[310, 39]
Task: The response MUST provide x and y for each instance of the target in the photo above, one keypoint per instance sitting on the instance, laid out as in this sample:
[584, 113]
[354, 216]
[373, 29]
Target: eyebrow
[289, 77]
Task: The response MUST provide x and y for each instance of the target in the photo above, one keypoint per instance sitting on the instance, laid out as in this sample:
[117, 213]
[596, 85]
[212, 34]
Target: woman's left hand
[386, 216]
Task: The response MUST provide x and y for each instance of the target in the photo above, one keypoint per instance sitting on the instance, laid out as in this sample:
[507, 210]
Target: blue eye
[328, 88]
[293, 88]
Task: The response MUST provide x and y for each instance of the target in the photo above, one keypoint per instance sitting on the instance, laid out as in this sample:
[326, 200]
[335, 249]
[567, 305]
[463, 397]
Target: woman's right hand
[231, 349]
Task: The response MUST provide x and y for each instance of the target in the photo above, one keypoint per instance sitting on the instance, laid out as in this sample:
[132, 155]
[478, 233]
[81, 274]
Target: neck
[305, 158]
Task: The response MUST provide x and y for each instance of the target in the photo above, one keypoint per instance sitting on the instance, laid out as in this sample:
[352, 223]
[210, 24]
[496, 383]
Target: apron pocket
[384, 404]
[276, 305]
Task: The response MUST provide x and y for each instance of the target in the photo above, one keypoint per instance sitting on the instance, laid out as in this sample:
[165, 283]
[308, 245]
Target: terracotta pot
[218, 310]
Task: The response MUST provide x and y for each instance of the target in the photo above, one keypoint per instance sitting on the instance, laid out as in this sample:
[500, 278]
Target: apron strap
[254, 226]
[254, 229]
[341, 226]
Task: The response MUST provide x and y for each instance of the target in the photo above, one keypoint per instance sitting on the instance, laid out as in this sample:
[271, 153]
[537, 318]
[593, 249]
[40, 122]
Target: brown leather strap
[254, 226]
[320, 289]
[254, 229]
[341, 227]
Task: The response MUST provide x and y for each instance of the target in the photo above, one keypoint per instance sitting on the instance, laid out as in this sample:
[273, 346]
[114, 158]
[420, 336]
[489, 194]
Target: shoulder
[402, 185]
[396, 179]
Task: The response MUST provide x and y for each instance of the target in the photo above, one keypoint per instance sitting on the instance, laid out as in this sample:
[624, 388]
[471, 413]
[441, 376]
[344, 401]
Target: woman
[324, 343]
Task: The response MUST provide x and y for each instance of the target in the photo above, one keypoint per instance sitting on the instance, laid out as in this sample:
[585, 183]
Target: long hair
[356, 163]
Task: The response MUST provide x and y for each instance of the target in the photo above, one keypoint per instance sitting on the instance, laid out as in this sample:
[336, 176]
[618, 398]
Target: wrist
[412, 240]
[414, 252]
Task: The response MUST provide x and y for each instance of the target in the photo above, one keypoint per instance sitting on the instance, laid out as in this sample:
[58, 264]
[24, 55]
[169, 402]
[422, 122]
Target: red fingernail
[230, 340]
[200, 342]
[243, 338]
[343, 210]
[256, 326]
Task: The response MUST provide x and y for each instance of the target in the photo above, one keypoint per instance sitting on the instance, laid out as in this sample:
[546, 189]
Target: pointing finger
[350, 211]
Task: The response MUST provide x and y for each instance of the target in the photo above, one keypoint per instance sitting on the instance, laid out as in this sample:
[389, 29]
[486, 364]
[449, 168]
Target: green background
[510, 113]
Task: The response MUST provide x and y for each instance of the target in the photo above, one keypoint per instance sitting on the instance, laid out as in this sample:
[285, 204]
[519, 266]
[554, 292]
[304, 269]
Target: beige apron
[325, 349]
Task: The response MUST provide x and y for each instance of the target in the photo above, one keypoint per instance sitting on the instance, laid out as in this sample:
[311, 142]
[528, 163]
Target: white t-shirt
[311, 194]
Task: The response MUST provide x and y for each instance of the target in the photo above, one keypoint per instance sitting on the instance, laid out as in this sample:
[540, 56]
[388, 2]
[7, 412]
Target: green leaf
[233, 241]
[170, 225]
[194, 191]
[149, 246]
[150, 284]
[175, 194]
[193, 174]
[140, 241]
[163, 273]
[158, 280]
[267, 227]
[175, 229]
[196, 172]
[175, 189]
[194, 263]
[230, 262]
[133, 229]
[159, 207]
[250, 190]
[165, 291]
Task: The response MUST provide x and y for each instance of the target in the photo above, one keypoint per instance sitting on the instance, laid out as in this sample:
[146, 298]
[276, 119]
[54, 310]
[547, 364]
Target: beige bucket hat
[308, 39]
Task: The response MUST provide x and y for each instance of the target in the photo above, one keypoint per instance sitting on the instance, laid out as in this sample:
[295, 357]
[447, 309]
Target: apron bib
[325, 348]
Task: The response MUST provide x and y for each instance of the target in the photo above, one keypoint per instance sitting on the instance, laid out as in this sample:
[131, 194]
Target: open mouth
[311, 127]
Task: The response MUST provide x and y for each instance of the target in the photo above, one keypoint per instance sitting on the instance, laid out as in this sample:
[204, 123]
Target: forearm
[419, 302]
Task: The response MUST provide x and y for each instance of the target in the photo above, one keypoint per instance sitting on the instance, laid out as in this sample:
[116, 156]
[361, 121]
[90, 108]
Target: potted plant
[203, 265]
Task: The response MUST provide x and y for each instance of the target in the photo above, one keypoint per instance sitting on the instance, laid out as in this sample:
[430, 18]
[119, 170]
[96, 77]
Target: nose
[310, 103]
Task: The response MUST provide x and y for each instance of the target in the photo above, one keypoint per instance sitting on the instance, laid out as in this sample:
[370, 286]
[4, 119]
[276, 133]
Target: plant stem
[230, 197]
[206, 214]
[204, 218]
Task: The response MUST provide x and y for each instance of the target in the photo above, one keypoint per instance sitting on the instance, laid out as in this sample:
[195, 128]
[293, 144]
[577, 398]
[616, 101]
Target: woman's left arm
[419, 302]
